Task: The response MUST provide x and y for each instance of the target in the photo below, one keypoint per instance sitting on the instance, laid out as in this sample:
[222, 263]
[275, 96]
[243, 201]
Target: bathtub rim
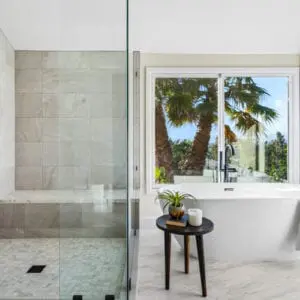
[237, 191]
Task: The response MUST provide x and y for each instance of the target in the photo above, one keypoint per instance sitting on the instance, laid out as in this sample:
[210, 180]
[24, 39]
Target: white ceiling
[169, 26]
[64, 24]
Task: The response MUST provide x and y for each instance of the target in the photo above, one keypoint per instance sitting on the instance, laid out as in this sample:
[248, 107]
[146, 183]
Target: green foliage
[186, 100]
[173, 198]
[212, 152]
[160, 175]
[180, 152]
[276, 158]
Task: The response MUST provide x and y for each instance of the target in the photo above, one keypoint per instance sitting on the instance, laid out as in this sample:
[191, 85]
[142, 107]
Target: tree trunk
[163, 151]
[196, 160]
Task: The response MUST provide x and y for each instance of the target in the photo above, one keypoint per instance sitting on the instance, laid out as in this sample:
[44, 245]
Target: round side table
[206, 227]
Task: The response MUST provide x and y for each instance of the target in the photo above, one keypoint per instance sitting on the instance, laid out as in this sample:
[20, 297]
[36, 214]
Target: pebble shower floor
[89, 267]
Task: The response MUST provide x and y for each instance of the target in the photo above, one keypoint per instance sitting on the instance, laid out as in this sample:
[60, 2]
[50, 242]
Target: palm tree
[173, 101]
[162, 144]
[242, 105]
[194, 100]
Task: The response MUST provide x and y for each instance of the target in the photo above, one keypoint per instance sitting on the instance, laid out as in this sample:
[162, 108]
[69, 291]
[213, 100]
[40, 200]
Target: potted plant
[174, 199]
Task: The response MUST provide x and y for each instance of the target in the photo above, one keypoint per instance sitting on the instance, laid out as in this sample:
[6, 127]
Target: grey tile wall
[7, 124]
[48, 220]
[70, 119]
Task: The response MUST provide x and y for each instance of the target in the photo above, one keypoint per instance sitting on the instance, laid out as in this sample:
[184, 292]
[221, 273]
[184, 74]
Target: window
[222, 125]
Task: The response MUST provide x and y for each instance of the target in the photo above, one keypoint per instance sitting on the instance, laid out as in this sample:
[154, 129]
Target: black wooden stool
[206, 227]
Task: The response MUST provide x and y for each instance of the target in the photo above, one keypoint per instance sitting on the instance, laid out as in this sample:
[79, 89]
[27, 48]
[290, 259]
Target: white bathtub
[252, 222]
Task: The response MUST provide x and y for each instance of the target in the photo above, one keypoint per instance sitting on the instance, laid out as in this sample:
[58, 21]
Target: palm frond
[173, 197]
[180, 109]
[230, 135]
[266, 113]
[205, 108]
[243, 91]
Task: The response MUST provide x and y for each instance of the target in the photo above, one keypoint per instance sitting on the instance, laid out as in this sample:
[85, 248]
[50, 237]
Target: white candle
[195, 216]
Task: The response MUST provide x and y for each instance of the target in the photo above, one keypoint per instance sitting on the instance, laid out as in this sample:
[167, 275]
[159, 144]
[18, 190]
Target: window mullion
[221, 134]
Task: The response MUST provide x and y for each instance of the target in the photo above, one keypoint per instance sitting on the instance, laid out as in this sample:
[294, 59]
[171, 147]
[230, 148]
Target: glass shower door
[93, 220]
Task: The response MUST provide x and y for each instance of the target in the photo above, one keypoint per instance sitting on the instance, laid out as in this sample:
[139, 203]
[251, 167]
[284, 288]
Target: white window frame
[293, 109]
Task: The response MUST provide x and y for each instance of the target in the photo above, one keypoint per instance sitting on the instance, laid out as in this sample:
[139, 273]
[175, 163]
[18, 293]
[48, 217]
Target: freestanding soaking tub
[252, 222]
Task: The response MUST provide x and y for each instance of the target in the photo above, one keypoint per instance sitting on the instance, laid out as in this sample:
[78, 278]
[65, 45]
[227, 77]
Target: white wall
[7, 117]
[215, 26]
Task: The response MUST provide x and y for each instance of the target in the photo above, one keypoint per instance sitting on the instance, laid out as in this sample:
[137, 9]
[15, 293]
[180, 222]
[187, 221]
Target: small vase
[176, 212]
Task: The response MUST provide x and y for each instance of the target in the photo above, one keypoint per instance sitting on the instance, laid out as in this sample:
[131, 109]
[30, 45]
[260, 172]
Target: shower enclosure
[64, 226]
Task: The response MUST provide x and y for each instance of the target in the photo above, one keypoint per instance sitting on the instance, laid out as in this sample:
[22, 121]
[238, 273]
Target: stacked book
[183, 222]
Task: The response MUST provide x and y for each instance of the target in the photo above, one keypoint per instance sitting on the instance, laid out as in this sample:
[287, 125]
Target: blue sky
[277, 87]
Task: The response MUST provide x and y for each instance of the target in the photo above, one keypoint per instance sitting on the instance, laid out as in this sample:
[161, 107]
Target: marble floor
[89, 267]
[269, 280]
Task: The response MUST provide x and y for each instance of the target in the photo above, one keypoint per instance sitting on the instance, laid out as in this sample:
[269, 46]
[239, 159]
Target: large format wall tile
[28, 60]
[69, 177]
[61, 60]
[100, 105]
[74, 129]
[81, 177]
[7, 124]
[29, 154]
[51, 131]
[67, 105]
[119, 85]
[101, 174]
[101, 130]
[28, 178]
[84, 60]
[29, 105]
[12, 215]
[50, 178]
[42, 215]
[76, 81]
[103, 60]
[29, 129]
[107, 174]
[50, 155]
[107, 105]
[36, 220]
[110, 154]
[74, 154]
[29, 81]
[70, 119]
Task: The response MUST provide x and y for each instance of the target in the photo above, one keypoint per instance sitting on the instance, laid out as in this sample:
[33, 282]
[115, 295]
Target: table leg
[186, 254]
[199, 240]
[167, 259]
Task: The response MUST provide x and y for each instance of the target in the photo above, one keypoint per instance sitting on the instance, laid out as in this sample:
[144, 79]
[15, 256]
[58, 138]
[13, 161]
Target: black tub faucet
[229, 152]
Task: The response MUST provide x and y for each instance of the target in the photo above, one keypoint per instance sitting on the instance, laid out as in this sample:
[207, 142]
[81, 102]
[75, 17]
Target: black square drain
[109, 297]
[77, 297]
[36, 269]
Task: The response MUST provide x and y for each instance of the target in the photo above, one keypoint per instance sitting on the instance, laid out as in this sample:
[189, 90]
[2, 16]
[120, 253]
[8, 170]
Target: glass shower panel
[93, 221]
[134, 173]
[63, 195]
